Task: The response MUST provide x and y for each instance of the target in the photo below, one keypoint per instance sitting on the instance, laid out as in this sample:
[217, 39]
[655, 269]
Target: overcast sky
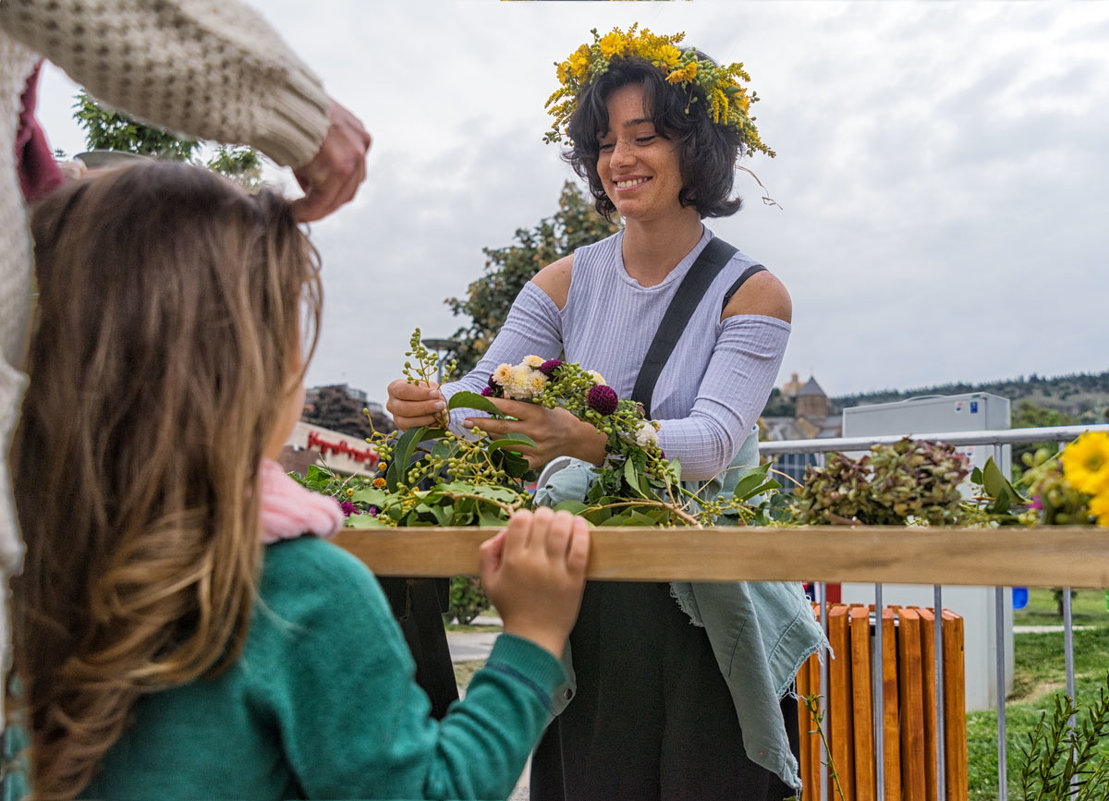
[943, 172]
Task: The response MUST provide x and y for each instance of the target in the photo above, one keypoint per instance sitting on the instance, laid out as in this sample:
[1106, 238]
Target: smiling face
[638, 167]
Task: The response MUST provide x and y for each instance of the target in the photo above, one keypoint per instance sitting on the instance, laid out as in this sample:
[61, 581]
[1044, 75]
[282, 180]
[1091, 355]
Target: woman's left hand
[556, 432]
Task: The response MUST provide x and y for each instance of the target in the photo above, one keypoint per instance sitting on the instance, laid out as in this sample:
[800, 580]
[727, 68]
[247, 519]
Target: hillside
[1082, 396]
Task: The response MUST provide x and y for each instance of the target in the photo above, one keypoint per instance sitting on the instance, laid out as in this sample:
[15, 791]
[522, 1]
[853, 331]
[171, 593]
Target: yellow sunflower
[1099, 509]
[1086, 462]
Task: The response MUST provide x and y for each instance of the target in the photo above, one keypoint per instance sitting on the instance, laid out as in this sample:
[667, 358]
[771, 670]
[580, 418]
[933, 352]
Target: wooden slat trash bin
[909, 706]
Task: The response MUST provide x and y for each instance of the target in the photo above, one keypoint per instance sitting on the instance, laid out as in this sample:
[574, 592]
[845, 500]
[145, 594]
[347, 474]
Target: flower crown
[729, 102]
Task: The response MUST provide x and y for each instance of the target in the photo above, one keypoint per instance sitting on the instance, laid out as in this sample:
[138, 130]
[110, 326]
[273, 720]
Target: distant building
[332, 431]
[811, 421]
[792, 387]
[343, 408]
[313, 445]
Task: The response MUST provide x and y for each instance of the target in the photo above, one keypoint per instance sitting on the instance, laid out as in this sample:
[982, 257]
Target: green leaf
[471, 400]
[999, 488]
[402, 453]
[365, 521]
[491, 516]
[746, 485]
[512, 440]
[514, 464]
[371, 496]
[631, 478]
[571, 506]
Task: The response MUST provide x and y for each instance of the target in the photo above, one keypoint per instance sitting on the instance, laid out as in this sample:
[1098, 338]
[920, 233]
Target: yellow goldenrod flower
[1086, 463]
[718, 86]
[612, 44]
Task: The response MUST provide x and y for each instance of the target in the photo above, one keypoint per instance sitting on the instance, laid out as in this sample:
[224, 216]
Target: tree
[507, 269]
[110, 130]
[1031, 415]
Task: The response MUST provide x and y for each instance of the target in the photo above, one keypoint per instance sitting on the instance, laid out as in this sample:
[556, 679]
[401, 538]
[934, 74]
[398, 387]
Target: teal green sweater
[323, 704]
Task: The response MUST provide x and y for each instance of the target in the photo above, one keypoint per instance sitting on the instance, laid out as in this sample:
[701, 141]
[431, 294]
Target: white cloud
[941, 167]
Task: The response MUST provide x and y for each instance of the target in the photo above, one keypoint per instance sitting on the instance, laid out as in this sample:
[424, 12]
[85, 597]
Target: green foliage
[467, 600]
[1063, 763]
[811, 702]
[507, 269]
[1032, 415]
[1082, 395]
[111, 130]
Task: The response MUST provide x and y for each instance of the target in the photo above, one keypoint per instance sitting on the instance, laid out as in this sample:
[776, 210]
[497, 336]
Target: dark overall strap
[754, 268]
[708, 265]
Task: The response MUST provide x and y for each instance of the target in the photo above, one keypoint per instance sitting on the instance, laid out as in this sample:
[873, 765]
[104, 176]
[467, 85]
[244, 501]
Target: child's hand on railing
[534, 572]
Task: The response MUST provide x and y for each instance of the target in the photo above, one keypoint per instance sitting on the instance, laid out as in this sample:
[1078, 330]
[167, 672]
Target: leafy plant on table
[910, 481]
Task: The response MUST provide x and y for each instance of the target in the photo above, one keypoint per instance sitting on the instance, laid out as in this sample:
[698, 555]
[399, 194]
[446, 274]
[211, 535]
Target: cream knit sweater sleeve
[212, 69]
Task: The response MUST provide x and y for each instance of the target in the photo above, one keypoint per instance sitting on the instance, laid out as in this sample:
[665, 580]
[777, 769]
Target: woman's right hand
[534, 573]
[413, 405]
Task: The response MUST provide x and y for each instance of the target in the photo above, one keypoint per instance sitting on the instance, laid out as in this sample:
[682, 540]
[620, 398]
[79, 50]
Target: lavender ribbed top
[714, 385]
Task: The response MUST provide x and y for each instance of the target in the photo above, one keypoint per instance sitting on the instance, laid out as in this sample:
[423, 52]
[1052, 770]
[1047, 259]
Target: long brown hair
[166, 337]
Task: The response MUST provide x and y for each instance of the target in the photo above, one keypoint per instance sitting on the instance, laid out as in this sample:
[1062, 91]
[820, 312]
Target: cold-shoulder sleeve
[533, 326]
[731, 395]
[207, 68]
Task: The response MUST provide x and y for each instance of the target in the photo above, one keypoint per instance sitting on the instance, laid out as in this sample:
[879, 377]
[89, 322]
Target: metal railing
[998, 439]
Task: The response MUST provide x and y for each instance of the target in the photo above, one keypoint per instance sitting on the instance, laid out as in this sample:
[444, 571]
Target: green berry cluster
[1054, 500]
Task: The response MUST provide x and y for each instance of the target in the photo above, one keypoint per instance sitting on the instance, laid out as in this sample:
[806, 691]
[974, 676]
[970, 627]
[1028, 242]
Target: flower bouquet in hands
[636, 485]
[432, 476]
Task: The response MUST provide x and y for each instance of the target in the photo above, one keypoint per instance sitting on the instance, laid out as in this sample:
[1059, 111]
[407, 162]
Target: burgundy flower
[548, 367]
[348, 508]
[602, 399]
[495, 390]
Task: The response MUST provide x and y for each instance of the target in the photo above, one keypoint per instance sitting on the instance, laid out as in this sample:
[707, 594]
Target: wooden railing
[1072, 557]
[1008, 556]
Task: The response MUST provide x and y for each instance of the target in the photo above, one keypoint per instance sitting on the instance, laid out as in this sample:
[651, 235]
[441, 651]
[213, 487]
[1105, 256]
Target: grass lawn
[1038, 672]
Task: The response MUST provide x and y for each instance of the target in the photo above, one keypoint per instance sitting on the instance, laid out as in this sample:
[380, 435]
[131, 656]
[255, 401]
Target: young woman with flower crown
[664, 709]
[179, 631]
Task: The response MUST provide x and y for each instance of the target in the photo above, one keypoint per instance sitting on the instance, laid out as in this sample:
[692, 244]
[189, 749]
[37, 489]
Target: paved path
[467, 646]
[470, 647]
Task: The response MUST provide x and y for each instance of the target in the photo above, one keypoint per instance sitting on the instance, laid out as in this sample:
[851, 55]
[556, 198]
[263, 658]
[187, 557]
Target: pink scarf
[39, 174]
[289, 510]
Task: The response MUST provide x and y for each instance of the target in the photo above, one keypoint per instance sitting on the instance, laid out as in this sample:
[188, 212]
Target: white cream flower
[646, 434]
[598, 379]
[503, 374]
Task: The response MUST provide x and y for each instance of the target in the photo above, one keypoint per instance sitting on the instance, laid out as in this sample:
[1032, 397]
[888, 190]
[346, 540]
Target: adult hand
[332, 177]
[556, 432]
[413, 405]
[534, 572]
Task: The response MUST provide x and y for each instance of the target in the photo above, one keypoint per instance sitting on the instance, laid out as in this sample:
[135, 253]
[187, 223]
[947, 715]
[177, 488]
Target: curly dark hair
[707, 151]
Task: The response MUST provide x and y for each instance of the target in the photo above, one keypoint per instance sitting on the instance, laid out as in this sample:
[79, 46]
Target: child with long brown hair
[162, 647]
